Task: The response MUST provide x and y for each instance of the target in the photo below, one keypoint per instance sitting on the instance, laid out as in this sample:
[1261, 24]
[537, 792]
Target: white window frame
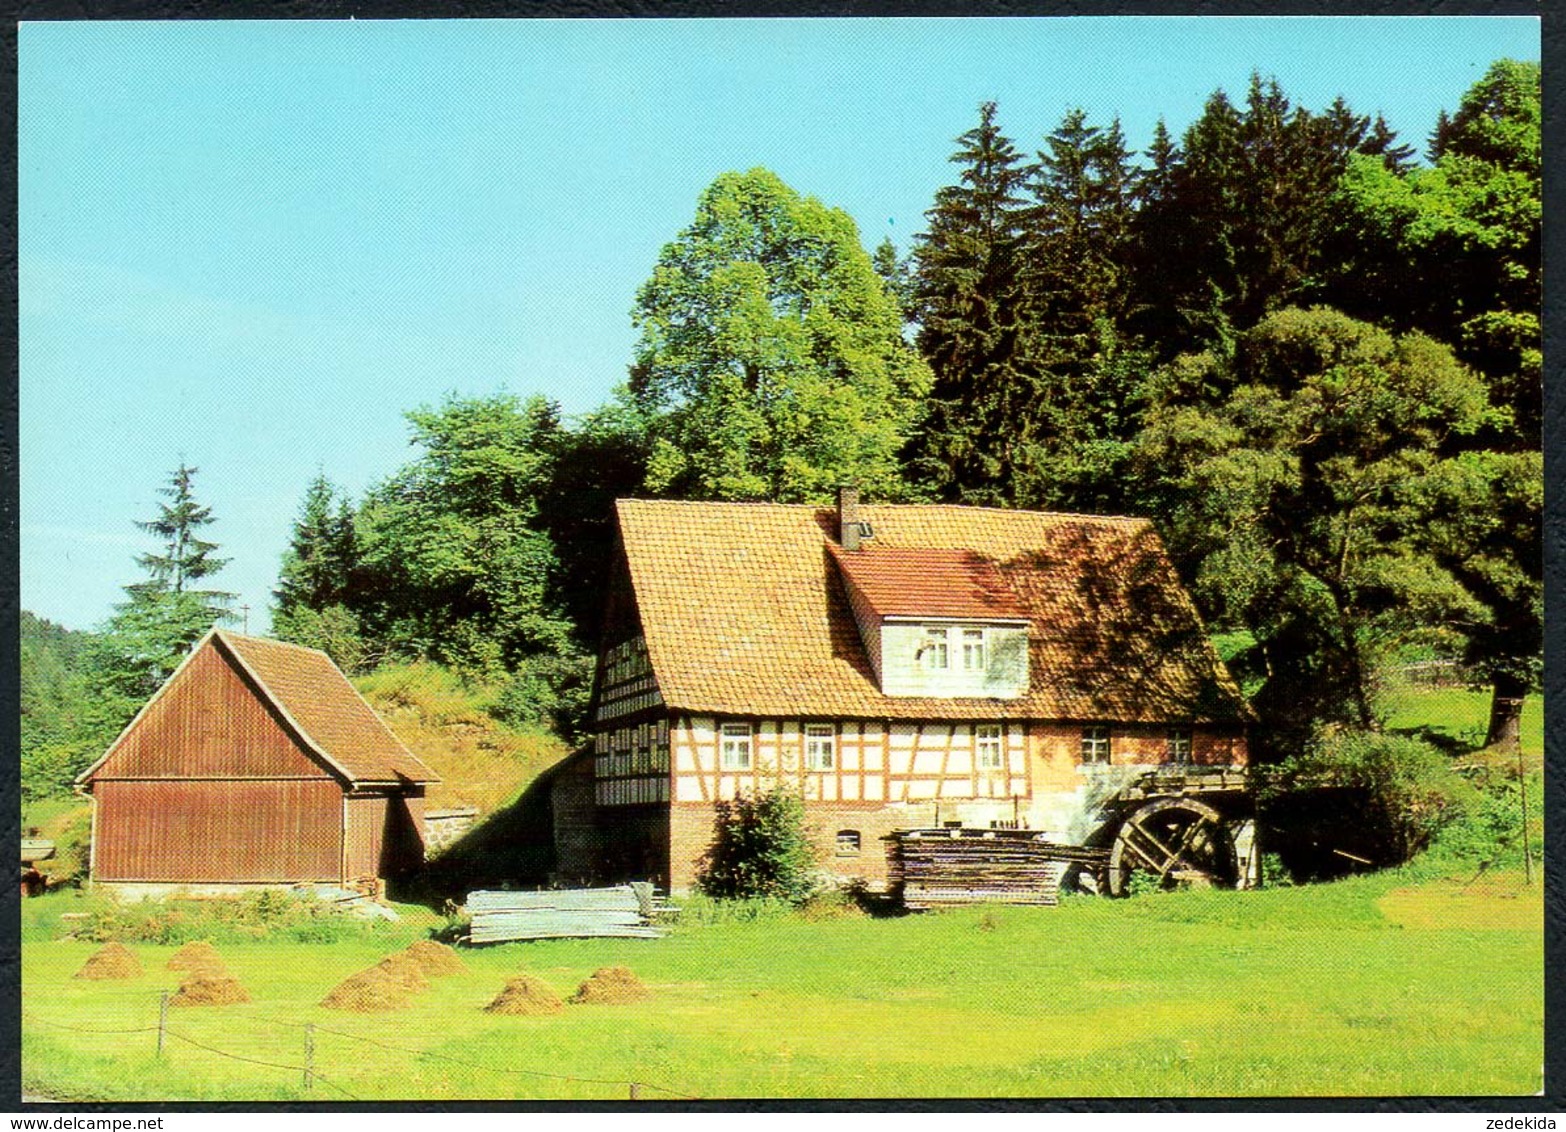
[1179, 745]
[820, 746]
[1096, 747]
[936, 650]
[989, 746]
[974, 650]
[734, 746]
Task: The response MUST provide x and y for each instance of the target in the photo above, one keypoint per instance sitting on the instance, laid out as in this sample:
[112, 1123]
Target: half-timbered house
[257, 762]
[902, 666]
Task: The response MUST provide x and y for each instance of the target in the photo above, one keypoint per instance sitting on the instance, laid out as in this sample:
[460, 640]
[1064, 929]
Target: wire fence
[308, 1071]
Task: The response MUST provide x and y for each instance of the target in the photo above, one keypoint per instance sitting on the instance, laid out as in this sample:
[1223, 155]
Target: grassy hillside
[480, 761]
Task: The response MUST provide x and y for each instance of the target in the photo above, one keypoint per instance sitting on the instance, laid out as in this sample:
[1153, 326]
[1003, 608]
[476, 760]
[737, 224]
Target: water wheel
[1174, 841]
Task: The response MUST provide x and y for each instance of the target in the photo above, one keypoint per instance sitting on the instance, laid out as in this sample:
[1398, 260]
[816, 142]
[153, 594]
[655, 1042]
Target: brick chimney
[848, 529]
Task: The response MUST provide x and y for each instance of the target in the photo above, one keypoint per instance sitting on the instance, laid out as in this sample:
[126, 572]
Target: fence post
[1522, 785]
[636, 1091]
[309, 1065]
[163, 1019]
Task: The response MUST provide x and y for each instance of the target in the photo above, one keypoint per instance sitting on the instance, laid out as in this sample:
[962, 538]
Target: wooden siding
[364, 825]
[1003, 677]
[209, 724]
[218, 832]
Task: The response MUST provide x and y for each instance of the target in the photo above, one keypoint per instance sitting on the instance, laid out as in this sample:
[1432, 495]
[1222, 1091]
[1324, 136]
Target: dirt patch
[435, 959]
[368, 992]
[611, 986]
[198, 955]
[205, 988]
[404, 970]
[526, 995]
[1498, 903]
[111, 961]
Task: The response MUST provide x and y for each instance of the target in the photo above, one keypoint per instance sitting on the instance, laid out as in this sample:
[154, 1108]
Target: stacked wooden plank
[1185, 780]
[931, 868]
[625, 911]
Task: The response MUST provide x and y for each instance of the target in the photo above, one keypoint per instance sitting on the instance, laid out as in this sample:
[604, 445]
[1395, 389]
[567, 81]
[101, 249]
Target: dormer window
[973, 650]
[935, 654]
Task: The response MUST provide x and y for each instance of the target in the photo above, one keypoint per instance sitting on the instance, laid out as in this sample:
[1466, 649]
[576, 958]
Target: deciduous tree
[1295, 479]
[771, 362]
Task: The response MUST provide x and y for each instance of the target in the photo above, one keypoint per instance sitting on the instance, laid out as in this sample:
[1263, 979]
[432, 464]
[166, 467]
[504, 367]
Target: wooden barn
[256, 763]
[903, 666]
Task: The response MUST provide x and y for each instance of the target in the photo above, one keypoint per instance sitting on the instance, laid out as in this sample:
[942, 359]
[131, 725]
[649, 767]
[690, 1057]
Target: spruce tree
[186, 558]
[150, 634]
[975, 325]
[320, 556]
[1077, 278]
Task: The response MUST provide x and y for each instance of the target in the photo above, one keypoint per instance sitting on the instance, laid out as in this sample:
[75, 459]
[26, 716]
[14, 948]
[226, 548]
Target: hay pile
[526, 995]
[197, 955]
[610, 986]
[404, 970]
[111, 961]
[368, 992]
[209, 988]
[391, 983]
[435, 959]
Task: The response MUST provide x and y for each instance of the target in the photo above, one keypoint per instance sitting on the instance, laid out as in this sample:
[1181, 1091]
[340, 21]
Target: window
[1095, 744]
[1179, 749]
[987, 741]
[820, 746]
[735, 746]
[973, 650]
[935, 651]
[848, 843]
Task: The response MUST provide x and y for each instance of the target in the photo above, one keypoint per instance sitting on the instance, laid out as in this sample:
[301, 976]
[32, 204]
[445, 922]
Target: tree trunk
[1506, 703]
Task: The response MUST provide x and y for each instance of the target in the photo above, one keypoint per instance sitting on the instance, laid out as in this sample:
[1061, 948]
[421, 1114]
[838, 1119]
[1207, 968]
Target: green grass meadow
[1385, 984]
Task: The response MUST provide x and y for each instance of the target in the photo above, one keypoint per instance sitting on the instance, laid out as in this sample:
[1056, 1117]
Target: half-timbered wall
[631, 764]
[891, 776]
[626, 680]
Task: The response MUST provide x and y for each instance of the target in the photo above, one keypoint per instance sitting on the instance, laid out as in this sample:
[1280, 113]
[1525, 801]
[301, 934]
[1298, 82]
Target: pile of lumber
[625, 911]
[931, 868]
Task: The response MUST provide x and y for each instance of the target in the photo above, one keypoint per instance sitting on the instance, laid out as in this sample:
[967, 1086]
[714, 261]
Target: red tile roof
[326, 709]
[744, 611]
[929, 582]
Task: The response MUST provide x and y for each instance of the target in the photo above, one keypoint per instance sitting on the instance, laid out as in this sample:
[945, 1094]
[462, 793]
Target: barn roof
[744, 610]
[316, 702]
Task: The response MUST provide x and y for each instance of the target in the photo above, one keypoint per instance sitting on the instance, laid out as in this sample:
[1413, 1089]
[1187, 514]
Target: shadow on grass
[512, 847]
[1443, 741]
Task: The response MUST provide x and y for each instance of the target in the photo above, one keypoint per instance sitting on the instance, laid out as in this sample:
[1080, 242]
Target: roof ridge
[961, 508]
[229, 635]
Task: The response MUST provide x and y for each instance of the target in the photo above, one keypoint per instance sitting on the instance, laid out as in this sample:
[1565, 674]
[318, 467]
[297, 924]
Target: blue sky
[253, 246]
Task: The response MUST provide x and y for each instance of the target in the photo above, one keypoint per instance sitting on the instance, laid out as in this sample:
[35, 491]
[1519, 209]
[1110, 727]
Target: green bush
[1489, 831]
[760, 849]
[701, 910]
[1388, 795]
[270, 914]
